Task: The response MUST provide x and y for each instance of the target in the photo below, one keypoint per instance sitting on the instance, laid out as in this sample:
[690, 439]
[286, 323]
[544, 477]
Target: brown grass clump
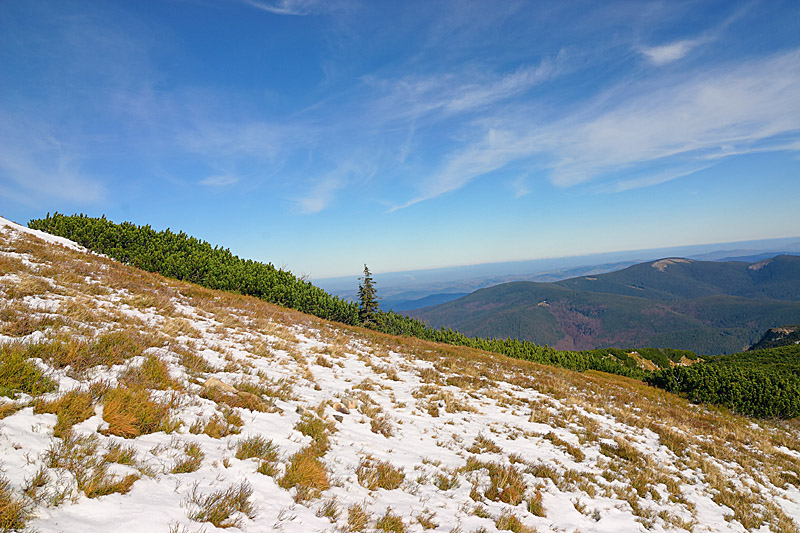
[508, 521]
[191, 459]
[243, 399]
[623, 449]
[262, 449]
[107, 349]
[506, 482]
[382, 425]
[78, 454]
[374, 474]
[28, 286]
[329, 509]
[391, 522]
[484, 444]
[357, 517]
[222, 508]
[72, 408]
[534, 504]
[306, 474]
[318, 429]
[25, 321]
[574, 451]
[14, 512]
[123, 455]
[131, 412]
[219, 425]
[195, 364]
[153, 373]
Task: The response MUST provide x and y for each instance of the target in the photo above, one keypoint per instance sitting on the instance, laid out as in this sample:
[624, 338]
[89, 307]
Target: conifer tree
[367, 298]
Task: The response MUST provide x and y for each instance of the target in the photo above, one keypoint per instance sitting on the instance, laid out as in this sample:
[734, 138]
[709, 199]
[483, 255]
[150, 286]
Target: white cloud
[746, 107]
[507, 86]
[445, 95]
[220, 180]
[323, 189]
[36, 167]
[293, 7]
[676, 126]
[668, 53]
[320, 196]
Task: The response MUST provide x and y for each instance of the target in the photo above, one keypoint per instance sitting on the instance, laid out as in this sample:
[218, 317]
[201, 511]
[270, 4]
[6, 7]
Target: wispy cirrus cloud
[321, 190]
[637, 136]
[293, 7]
[36, 167]
[444, 95]
[219, 180]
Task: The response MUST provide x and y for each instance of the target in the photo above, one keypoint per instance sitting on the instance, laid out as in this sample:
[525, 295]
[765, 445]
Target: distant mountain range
[709, 307]
[406, 290]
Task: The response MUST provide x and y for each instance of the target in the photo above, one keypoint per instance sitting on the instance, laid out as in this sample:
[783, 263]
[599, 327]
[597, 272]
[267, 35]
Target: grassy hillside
[186, 258]
[137, 402]
[705, 307]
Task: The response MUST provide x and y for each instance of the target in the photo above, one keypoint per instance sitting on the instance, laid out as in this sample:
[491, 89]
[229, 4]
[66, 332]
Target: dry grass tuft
[131, 412]
[153, 373]
[107, 349]
[72, 408]
[222, 508]
[505, 482]
[14, 511]
[426, 519]
[243, 399]
[318, 429]
[78, 454]
[306, 474]
[329, 509]
[357, 517]
[219, 425]
[391, 522]
[484, 444]
[264, 450]
[508, 521]
[191, 459]
[373, 474]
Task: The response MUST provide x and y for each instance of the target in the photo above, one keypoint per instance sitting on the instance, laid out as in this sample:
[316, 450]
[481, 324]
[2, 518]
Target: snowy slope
[430, 437]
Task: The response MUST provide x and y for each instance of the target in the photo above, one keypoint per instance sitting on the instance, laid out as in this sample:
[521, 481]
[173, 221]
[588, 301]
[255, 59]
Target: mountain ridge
[702, 306]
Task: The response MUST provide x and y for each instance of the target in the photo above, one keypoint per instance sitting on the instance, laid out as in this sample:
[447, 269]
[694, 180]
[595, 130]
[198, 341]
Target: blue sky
[321, 135]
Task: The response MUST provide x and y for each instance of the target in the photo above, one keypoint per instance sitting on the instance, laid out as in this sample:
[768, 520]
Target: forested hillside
[764, 383]
[702, 306]
[780, 336]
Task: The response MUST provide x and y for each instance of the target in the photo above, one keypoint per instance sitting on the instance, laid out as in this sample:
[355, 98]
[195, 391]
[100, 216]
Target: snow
[7, 225]
[324, 363]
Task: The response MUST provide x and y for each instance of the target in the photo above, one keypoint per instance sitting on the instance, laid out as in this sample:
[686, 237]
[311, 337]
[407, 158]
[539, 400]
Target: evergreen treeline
[180, 256]
[761, 383]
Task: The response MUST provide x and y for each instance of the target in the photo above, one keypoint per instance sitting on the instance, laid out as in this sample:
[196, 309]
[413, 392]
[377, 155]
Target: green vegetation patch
[761, 383]
[19, 374]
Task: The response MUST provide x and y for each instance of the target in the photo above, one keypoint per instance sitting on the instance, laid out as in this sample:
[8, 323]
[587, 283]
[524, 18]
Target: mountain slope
[153, 405]
[703, 306]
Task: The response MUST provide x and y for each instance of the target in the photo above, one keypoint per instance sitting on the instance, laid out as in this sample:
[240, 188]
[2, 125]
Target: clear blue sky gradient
[321, 135]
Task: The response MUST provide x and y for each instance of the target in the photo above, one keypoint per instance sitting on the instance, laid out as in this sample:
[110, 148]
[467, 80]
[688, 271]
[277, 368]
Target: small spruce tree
[367, 298]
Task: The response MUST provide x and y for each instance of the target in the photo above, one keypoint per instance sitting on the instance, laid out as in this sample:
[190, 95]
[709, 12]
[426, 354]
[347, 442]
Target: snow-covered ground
[408, 434]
